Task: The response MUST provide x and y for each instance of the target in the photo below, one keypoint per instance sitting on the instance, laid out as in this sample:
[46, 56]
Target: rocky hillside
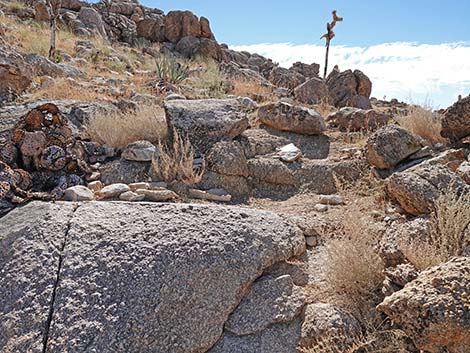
[160, 192]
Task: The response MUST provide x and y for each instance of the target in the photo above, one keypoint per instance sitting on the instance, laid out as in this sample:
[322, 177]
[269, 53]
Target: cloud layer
[435, 73]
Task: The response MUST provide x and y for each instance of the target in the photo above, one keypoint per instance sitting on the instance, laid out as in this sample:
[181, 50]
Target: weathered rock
[389, 146]
[74, 5]
[139, 151]
[331, 199]
[152, 29]
[353, 119]
[350, 89]
[227, 157]
[271, 170]
[397, 277]
[78, 193]
[141, 185]
[433, 309]
[306, 70]
[131, 196]
[464, 171]
[15, 74]
[206, 31]
[122, 171]
[136, 257]
[283, 77]
[286, 117]
[219, 195]
[113, 190]
[313, 91]
[157, 195]
[456, 120]
[41, 12]
[44, 67]
[289, 153]
[92, 19]
[179, 24]
[95, 186]
[206, 122]
[271, 300]
[417, 188]
[325, 321]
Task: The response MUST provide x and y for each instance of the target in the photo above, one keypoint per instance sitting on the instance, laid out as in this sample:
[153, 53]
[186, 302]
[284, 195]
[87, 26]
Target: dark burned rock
[41, 153]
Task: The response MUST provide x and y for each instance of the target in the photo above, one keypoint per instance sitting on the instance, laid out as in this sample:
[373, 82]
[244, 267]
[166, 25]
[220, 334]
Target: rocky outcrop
[389, 146]
[179, 24]
[283, 77]
[354, 119]
[313, 91]
[206, 122]
[456, 120]
[287, 117]
[433, 309]
[15, 74]
[161, 278]
[417, 188]
[350, 89]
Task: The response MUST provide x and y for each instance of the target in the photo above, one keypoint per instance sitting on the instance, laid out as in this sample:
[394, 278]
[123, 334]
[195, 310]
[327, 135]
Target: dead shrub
[423, 122]
[355, 269]
[118, 129]
[174, 161]
[448, 235]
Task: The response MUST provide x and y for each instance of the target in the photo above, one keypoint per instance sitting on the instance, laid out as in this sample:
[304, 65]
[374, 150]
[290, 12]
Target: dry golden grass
[62, 88]
[252, 89]
[174, 162]
[118, 129]
[423, 122]
[449, 232]
[209, 80]
[355, 269]
[324, 108]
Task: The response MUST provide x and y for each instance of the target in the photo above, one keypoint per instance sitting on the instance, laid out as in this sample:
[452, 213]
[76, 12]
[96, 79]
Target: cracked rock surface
[121, 277]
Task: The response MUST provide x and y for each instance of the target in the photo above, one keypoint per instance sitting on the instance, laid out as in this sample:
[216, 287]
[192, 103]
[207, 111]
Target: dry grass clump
[423, 122]
[448, 235]
[174, 161]
[253, 89]
[355, 269]
[118, 129]
[324, 108]
[210, 81]
[62, 88]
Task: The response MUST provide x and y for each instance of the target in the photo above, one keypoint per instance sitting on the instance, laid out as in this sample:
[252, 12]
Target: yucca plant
[170, 70]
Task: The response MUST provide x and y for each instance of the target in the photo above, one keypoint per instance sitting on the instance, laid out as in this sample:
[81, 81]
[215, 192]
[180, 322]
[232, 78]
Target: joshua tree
[329, 35]
[53, 7]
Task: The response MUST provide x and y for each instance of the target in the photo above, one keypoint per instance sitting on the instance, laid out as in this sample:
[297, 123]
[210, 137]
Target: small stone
[289, 153]
[137, 186]
[139, 151]
[78, 193]
[212, 195]
[113, 190]
[93, 176]
[157, 195]
[131, 196]
[157, 185]
[174, 96]
[311, 241]
[331, 200]
[109, 152]
[321, 208]
[95, 186]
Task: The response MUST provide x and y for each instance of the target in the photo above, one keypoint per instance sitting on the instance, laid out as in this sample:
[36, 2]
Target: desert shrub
[174, 161]
[423, 122]
[244, 87]
[211, 80]
[354, 268]
[448, 235]
[118, 129]
[170, 70]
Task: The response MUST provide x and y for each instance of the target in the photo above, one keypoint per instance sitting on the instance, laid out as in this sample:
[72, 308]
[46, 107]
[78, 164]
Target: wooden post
[53, 7]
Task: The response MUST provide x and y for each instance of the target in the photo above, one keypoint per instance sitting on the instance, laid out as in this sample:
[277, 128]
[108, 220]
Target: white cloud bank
[408, 71]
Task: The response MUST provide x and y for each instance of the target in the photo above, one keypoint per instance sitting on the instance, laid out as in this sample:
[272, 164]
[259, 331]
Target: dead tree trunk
[329, 35]
[53, 7]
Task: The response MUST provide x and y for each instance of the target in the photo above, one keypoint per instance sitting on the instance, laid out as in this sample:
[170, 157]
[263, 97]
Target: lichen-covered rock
[354, 119]
[350, 89]
[179, 24]
[312, 91]
[283, 77]
[433, 309]
[456, 120]
[139, 151]
[122, 277]
[389, 146]
[207, 121]
[417, 188]
[287, 117]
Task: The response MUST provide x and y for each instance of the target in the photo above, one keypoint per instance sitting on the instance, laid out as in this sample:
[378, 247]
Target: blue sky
[367, 22]
[413, 50]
